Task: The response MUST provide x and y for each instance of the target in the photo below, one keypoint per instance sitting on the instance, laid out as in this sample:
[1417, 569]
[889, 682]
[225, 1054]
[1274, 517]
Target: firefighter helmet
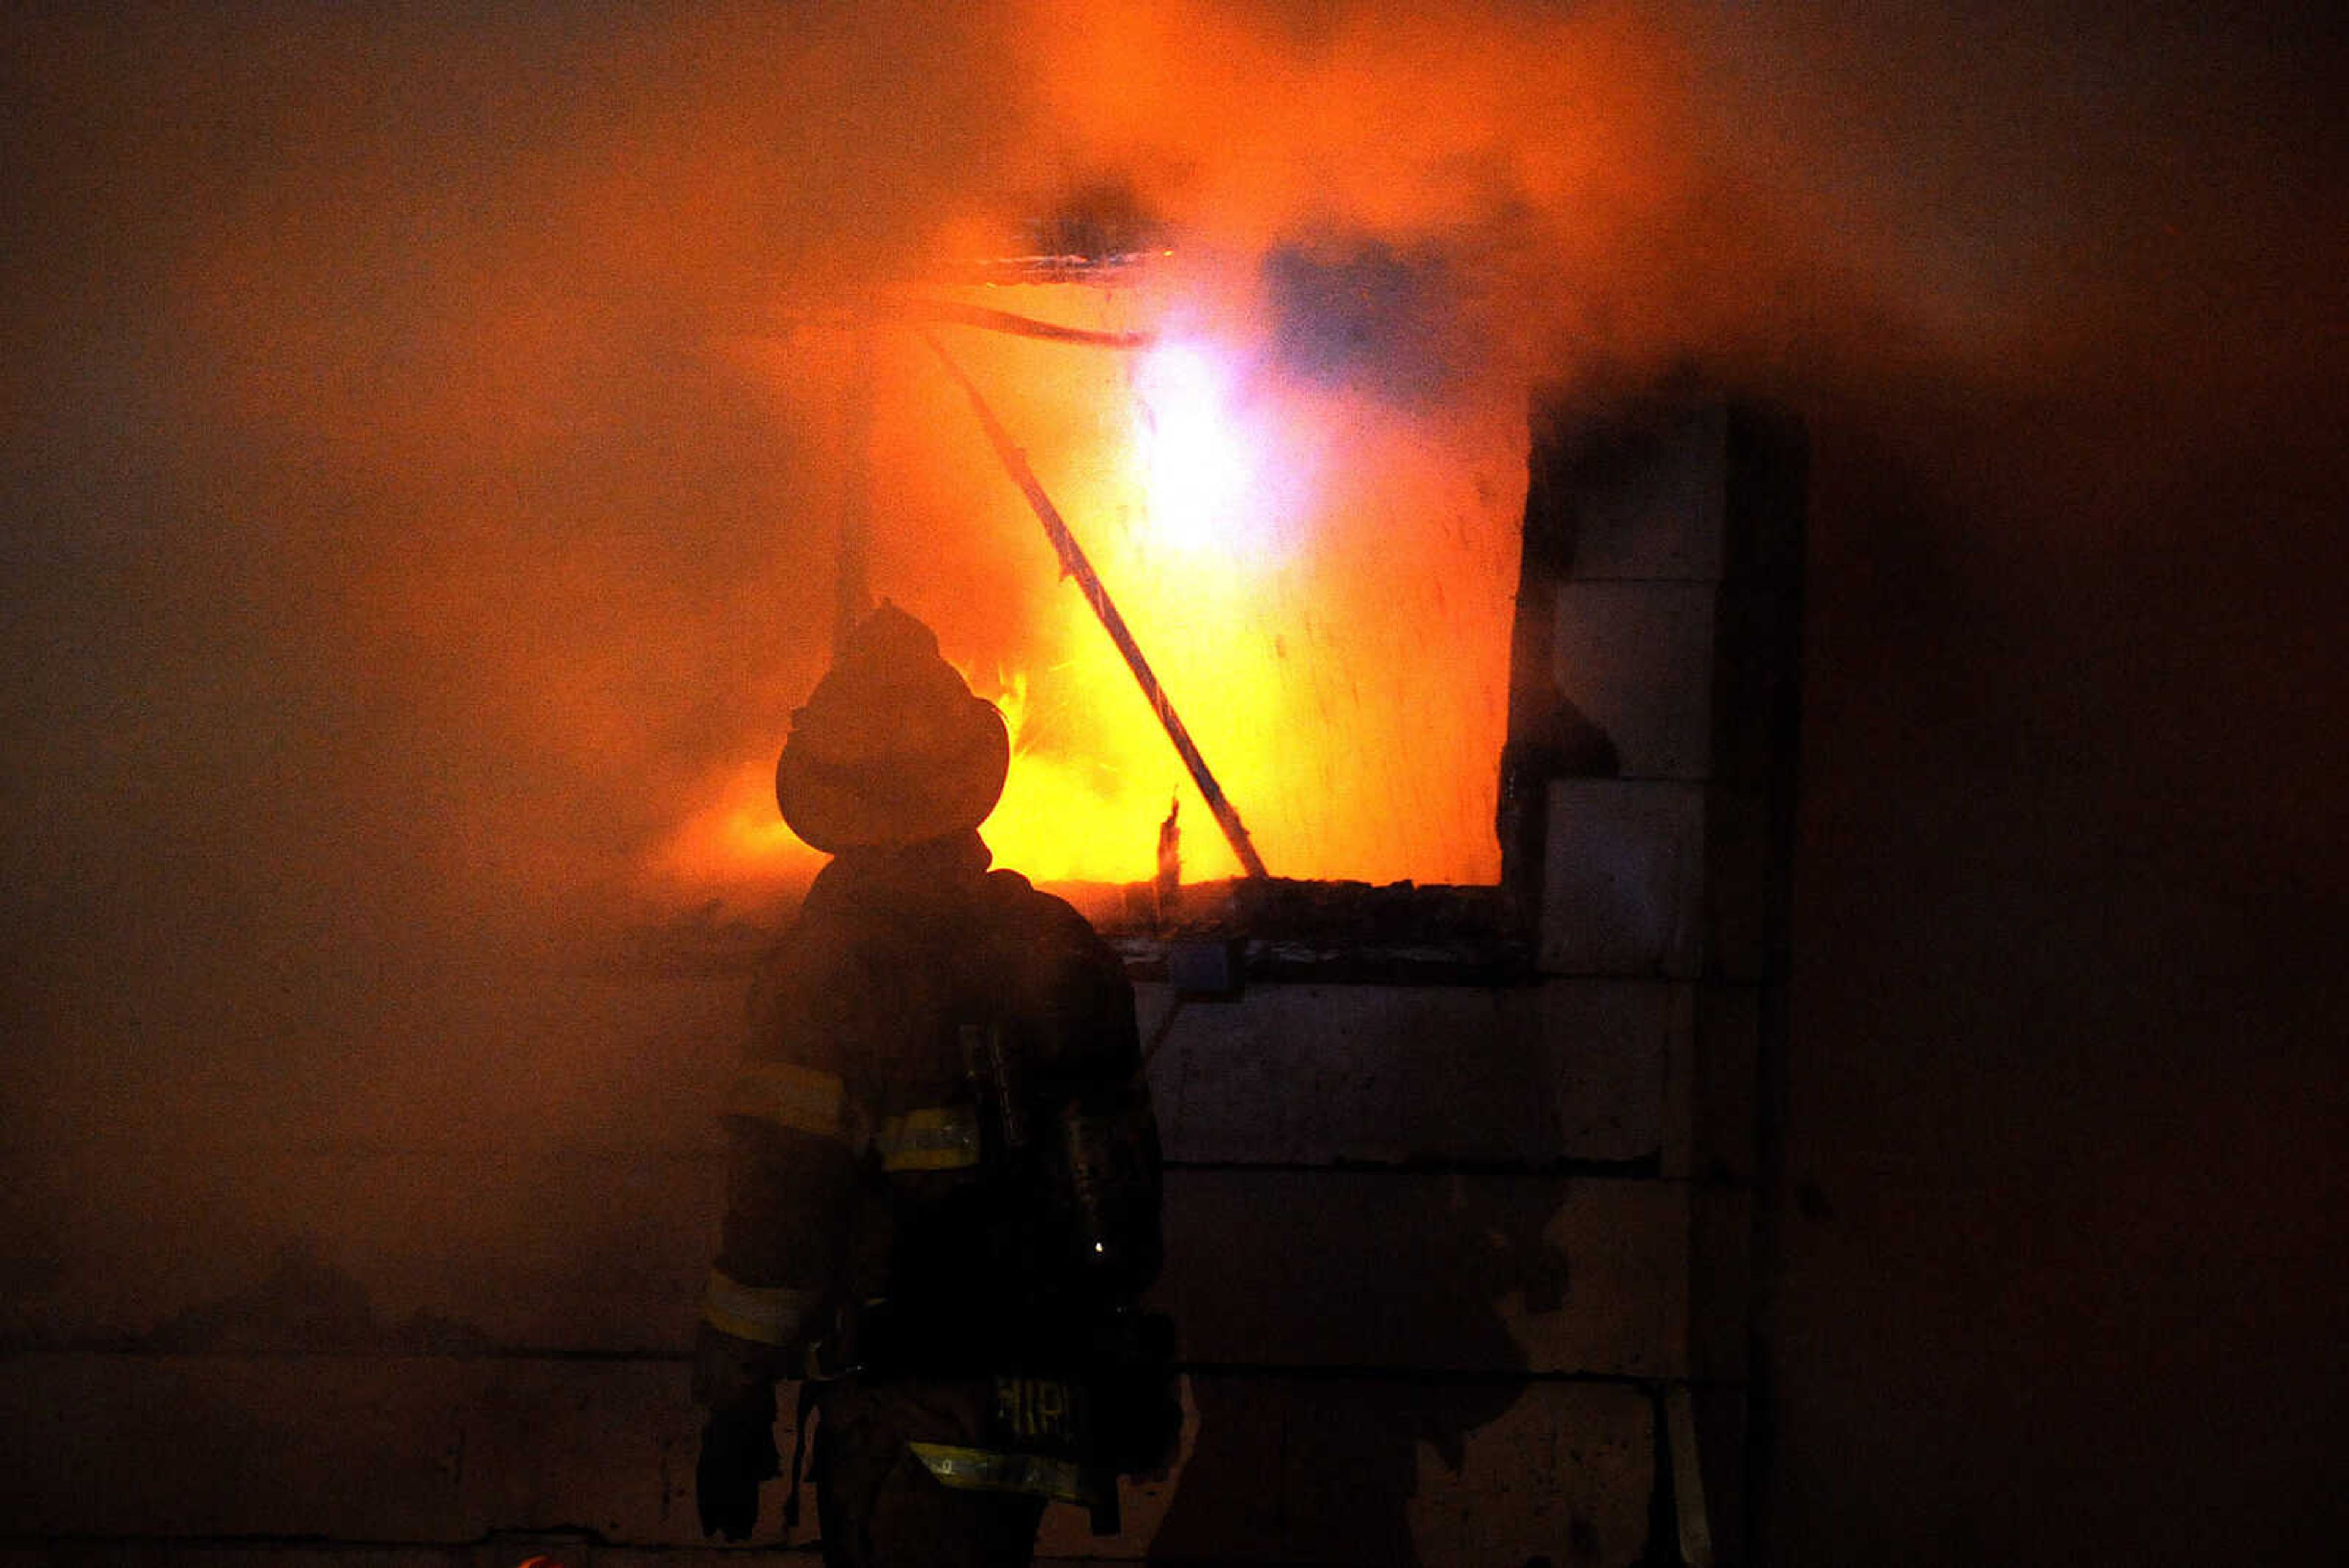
[891, 748]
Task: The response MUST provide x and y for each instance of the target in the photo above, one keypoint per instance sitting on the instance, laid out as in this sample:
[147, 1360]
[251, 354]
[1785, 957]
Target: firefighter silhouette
[943, 1187]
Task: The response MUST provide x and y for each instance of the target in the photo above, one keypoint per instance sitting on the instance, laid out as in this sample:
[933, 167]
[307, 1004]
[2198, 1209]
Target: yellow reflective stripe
[765, 1315]
[935, 1137]
[985, 1469]
[789, 1096]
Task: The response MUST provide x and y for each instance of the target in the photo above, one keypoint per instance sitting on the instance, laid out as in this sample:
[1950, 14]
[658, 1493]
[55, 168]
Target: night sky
[395, 547]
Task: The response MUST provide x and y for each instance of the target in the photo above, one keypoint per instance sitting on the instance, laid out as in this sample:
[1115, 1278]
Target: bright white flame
[1197, 465]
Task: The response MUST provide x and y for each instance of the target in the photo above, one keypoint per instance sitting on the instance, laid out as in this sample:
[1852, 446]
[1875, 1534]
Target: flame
[1322, 582]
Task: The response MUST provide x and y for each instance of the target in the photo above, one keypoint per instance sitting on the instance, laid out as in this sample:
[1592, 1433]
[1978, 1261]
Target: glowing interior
[1322, 580]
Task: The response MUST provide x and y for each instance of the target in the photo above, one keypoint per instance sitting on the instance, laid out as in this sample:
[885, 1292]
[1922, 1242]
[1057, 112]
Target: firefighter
[943, 1181]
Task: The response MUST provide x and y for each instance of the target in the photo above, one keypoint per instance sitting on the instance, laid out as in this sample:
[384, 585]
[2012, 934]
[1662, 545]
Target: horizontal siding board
[417, 1449]
[1494, 1274]
[1407, 1269]
[376, 1250]
[1313, 1075]
[1377, 1472]
[591, 1463]
[103, 1445]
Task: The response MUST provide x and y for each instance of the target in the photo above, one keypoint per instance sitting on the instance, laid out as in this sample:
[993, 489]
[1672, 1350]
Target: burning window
[1305, 512]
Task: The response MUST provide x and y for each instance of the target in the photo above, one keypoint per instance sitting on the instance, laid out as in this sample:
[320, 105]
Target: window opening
[1316, 561]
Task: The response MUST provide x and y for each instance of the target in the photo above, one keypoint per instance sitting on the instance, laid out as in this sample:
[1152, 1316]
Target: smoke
[410, 529]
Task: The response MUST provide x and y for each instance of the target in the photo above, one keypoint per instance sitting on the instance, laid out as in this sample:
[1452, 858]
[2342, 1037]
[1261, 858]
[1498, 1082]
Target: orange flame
[1322, 583]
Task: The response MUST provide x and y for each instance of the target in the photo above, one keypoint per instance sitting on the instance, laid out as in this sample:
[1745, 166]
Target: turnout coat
[943, 1185]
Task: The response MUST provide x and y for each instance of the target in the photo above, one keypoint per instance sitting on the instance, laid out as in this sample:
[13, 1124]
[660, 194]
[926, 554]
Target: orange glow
[1322, 583]
[556, 420]
[738, 839]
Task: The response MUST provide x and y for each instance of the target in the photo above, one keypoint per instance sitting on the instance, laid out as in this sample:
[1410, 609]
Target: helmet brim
[907, 789]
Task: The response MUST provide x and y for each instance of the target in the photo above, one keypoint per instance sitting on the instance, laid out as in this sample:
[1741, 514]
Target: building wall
[1462, 1270]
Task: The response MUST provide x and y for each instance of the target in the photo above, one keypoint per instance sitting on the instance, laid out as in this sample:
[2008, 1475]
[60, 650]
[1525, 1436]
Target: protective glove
[738, 1452]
